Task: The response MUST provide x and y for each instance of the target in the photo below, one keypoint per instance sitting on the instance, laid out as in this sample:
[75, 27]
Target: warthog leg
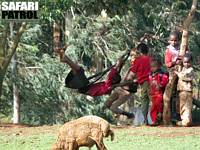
[71, 144]
[99, 141]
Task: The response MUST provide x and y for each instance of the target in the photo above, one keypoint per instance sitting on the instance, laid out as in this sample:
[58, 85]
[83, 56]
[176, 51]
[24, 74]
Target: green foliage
[44, 99]
[52, 10]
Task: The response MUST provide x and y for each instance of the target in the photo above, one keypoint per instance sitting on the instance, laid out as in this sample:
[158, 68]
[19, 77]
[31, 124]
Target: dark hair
[116, 79]
[157, 60]
[143, 48]
[175, 33]
[188, 56]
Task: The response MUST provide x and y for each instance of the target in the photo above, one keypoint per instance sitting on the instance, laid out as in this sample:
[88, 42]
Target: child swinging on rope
[76, 79]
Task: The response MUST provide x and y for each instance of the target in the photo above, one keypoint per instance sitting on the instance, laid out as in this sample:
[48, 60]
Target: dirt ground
[25, 130]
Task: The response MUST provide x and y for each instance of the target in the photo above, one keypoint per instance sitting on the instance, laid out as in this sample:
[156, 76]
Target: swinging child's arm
[119, 64]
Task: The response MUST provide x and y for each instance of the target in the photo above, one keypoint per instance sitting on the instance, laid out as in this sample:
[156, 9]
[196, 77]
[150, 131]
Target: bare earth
[24, 130]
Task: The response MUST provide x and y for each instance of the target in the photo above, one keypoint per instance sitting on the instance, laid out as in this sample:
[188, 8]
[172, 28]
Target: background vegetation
[97, 32]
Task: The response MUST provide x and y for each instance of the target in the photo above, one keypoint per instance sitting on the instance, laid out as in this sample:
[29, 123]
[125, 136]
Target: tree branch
[4, 41]
[186, 25]
[14, 45]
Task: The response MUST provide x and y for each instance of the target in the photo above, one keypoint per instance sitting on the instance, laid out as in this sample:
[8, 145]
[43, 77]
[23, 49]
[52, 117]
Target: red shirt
[157, 83]
[101, 88]
[141, 67]
[169, 56]
[171, 53]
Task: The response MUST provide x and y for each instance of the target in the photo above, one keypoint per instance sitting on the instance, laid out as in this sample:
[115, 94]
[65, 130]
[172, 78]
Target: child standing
[171, 61]
[157, 82]
[185, 90]
[139, 70]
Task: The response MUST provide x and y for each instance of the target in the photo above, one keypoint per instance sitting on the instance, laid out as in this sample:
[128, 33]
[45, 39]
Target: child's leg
[157, 107]
[122, 98]
[113, 97]
[186, 107]
[174, 102]
[145, 99]
[76, 78]
[153, 110]
[167, 97]
[75, 67]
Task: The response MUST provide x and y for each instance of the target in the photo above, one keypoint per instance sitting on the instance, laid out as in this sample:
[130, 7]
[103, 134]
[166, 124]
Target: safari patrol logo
[19, 10]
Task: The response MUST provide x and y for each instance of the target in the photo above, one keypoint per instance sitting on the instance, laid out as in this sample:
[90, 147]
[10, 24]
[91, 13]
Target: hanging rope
[102, 73]
[99, 75]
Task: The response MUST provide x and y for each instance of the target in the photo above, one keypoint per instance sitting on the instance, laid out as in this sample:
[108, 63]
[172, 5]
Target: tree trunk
[6, 58]
[198, 94]
[2, 74]
[68, 24]
[16, 100]
[16, 105]
[186, 25]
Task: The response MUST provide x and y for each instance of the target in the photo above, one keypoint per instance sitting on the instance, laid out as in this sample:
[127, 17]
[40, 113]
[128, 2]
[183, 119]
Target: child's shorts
[78, 81]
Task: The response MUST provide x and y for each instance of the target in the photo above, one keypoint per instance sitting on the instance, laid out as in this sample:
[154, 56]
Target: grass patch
[35, 142]
[140, 138]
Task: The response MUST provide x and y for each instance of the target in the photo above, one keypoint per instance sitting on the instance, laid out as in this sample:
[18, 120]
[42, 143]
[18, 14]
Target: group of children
[156, 85]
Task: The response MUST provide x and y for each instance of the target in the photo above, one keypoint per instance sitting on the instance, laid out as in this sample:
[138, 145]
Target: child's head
[143, 48]
[155, 65]
[174, 39]
[116, 79]
[187, 59]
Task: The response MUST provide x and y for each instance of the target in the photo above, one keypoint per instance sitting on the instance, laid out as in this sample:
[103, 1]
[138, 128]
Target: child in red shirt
[76, 79]
[157, 82]
[172, 59]
[139, 70]
[141, 67]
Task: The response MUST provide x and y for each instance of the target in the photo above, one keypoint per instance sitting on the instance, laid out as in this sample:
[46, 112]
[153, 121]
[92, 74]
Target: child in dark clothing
[76, 79]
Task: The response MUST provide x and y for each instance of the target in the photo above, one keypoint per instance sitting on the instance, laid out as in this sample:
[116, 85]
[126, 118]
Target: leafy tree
[7, 50]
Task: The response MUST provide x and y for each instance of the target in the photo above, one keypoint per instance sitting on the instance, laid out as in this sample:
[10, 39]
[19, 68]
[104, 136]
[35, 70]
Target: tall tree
[186, 26]
[16, 100]
[7, 52]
